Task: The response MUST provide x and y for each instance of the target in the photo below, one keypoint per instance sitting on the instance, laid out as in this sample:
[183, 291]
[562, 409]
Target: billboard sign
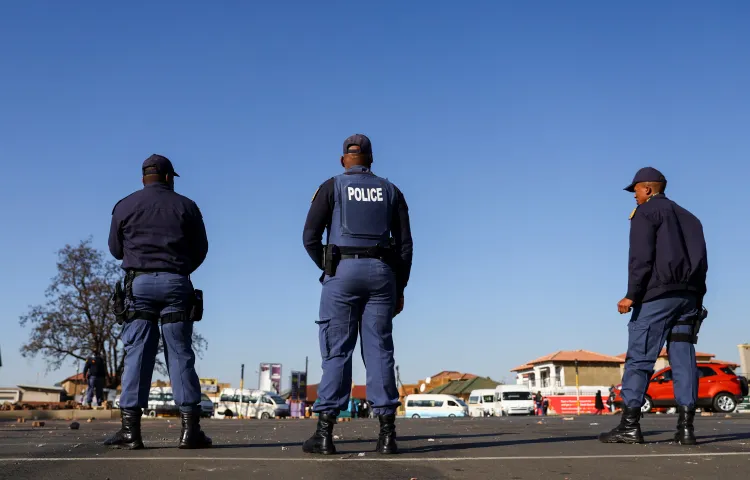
[264, 380]
[276, 378]
[299, 386]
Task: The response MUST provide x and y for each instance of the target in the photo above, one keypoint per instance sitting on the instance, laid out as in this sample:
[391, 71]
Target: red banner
[566, 404]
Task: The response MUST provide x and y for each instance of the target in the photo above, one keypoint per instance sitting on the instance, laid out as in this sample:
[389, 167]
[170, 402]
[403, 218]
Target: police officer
[667, 269]
[366, 265]
[95, 372]
[160, 237]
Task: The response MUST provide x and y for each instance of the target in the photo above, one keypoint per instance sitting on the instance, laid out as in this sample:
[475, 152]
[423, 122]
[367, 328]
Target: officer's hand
[625, 305]
[399, 305]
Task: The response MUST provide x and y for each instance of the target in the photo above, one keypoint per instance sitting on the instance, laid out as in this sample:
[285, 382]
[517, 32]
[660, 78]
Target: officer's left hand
[399, 305]
[625, 305]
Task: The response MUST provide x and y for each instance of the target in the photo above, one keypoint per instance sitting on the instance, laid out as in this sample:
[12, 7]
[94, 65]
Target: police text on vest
[365, 194]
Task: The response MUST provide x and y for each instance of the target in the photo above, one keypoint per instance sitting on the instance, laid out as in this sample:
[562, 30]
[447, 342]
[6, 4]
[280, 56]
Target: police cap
[360, 141]
[646, 174]
[160, 163]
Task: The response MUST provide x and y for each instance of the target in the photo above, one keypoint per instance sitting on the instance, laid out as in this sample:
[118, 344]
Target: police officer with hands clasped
[667, 282]
[366, 265]
[95, 373]
[160, 237]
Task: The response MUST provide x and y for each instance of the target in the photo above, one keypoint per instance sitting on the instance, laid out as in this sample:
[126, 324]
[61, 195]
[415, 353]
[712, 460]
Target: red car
[719, 389]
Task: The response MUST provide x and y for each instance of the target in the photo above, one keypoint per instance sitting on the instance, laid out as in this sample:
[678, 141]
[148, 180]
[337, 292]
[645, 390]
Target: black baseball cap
[646, 174]
[160, 163]
[359, 140]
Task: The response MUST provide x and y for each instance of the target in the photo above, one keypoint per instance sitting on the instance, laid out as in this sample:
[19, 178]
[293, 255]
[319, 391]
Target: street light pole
[578, 391]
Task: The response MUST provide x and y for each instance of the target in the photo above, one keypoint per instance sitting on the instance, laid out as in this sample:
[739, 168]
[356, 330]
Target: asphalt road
[510, 448]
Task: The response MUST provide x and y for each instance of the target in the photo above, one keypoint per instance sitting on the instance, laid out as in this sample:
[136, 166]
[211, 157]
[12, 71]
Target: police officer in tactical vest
[667, 269]
[95, 373]
[366, 265]
[160, 237]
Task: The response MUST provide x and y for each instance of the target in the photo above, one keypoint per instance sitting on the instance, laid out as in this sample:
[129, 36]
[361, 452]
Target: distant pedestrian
[599, 403]
[95, 373]
[538, 402]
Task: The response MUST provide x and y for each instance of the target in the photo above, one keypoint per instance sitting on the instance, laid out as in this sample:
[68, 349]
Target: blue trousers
[649, 326]
[96, 384]
[359, 300]
[160, 293]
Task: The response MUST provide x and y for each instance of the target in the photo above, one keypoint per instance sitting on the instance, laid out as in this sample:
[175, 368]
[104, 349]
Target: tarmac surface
[510, 448]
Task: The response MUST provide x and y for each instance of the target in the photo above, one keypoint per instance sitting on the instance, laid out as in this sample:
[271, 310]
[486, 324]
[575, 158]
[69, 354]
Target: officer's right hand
[399, 305]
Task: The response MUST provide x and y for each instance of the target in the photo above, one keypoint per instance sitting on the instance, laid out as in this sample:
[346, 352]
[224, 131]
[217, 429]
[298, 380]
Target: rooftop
[40, 388]
[567, 356]
[663, 353]
[461, 387]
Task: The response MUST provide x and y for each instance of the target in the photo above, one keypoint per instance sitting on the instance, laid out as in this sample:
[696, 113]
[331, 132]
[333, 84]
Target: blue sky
[511, 128]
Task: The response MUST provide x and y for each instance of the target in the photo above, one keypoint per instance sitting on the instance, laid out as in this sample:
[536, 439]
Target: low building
[31, 394]
[745, 359]
[75, 385]
[552, 374]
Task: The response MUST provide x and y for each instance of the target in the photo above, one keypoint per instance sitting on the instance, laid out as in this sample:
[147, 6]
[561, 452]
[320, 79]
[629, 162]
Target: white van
[482, 403]
[251, 403]
[513, 400]
[435, 405]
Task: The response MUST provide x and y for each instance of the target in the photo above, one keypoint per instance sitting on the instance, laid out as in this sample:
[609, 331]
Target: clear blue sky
[511, 128]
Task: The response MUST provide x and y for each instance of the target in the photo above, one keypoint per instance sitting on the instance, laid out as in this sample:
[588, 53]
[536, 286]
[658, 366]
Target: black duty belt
[361, 255]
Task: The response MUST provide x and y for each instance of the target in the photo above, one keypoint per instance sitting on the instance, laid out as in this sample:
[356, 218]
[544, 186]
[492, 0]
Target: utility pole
[242, 386]
[578, 391]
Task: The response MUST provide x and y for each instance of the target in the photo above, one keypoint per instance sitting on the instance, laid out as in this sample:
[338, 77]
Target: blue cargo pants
[648, 329]
[358, 301]
[161, 294]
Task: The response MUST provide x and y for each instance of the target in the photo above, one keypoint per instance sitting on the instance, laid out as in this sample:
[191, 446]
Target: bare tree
[77, 317]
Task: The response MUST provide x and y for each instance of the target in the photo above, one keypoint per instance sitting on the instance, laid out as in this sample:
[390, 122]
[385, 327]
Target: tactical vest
[362, 210]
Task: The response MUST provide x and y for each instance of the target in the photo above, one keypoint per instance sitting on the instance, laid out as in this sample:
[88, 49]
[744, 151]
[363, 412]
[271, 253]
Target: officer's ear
[342, 161]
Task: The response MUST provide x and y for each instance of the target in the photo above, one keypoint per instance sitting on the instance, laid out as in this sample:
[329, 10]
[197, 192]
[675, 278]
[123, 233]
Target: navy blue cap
[160, 163]
[646, 174]
[359, 140]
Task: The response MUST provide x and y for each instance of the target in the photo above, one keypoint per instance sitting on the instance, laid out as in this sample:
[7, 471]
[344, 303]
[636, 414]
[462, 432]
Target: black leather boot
[387, 438]
[192, 436]
[685, 433]
[322, 440]
[129, 436]
[629, 429]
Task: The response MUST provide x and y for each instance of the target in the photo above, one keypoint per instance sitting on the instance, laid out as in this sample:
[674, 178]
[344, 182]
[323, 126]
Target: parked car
[207, 406]
[482, 403]
[251, 403]
[719, 389]
[435, 405]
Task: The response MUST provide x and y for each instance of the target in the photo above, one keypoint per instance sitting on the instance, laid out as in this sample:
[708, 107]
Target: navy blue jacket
[156, 229]
[319, 219]
[667, 251]
[95, 367]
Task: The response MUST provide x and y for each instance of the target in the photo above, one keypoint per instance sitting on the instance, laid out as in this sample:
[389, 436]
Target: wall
[74, 389]
[745, 359]
[9, 395]
[593, 375]
[27, 396]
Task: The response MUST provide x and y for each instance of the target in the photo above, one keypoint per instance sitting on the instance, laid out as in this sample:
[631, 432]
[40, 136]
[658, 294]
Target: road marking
[395, 458]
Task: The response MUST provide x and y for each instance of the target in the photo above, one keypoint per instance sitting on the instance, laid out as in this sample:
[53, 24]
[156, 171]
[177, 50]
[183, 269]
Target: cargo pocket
[333, 338]
[638, 342]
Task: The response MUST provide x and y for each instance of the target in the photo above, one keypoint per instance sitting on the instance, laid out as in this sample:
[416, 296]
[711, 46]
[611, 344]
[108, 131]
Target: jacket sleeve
[318, 219]
[115, 236]
[641, 255]
[401, 231]
[198, 238]
[86, 368]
